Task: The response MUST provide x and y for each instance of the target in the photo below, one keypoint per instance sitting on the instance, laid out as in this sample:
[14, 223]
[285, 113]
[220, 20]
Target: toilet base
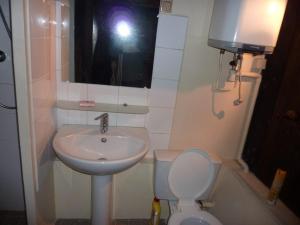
[190, 214]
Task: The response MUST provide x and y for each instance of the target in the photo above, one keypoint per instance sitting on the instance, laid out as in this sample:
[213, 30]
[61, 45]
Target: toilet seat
[190, 177]
[193, 217]
[188, 183]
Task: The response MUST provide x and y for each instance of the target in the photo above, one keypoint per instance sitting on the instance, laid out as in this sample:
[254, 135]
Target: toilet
[182, 177]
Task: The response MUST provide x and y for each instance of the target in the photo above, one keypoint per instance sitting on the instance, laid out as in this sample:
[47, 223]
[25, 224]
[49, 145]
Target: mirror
[112, 42]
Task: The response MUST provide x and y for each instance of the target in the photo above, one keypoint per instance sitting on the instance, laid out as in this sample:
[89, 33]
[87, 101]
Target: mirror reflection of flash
[123, 29]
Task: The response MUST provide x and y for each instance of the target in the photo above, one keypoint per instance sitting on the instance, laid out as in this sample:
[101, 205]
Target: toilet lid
[191, 174]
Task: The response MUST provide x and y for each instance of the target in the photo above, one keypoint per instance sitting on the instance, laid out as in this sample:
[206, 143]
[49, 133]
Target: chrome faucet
[103, 122]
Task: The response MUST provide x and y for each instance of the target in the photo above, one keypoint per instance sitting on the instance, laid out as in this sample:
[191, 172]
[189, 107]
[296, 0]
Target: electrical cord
[10, 37]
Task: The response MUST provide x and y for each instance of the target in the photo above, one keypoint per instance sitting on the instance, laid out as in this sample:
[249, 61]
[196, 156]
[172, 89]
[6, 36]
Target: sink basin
[86, 150]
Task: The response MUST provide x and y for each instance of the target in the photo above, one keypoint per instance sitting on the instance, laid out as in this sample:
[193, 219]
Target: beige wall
[196, 122]
[42, 77]
[34, 46]
[43, 94]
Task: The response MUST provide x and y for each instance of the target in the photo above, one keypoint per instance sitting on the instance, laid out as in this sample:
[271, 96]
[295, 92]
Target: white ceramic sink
[86, 150]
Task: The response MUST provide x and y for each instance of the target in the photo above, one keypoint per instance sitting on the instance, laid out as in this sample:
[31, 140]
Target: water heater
[246, 25]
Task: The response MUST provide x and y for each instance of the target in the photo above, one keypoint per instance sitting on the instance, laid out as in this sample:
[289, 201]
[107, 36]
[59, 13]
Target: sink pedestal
[101, 200]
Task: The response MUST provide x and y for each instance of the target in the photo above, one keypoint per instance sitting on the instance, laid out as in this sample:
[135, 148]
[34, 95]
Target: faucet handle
[102, 116]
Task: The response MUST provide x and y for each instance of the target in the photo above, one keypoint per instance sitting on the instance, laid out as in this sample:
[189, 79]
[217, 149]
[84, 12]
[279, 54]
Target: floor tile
[115, 222]
[139, 222]
[121, 222]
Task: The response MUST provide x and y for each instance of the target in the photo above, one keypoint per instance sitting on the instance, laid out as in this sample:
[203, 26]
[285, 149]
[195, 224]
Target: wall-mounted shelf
[103, 107]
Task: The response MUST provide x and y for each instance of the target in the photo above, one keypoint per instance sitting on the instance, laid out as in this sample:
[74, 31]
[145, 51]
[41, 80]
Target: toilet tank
[162, 163]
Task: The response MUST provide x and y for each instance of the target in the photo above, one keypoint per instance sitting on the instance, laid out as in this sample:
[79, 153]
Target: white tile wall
[77, 117]
[62, 88]
[167, 63]
[61, 117]
[103, 93]
[133, 96]
[163, 93]
[58, 56]
[158, 141]
[77, 91]
[160, 98]
[159, 120]
[171, 31]
[131, 120]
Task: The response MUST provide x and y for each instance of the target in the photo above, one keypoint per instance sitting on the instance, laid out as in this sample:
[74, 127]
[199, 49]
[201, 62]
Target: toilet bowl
[193, 218]
[182, 177]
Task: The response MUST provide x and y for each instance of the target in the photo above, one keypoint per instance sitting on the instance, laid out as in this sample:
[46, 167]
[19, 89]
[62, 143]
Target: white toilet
[182, 177]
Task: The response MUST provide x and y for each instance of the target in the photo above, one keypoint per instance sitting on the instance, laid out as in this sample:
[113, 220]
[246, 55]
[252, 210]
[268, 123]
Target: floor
[12, 218]
[116, 222]
[19, 218]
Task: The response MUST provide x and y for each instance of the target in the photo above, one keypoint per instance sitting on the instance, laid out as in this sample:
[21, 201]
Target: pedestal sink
[85, 149]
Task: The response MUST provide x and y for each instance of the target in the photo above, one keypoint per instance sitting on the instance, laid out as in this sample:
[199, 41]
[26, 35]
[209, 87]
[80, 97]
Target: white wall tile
[40, 57]
[171, 31]
[131, 120]
[159, 141]
[163, 93]
[159, 120]
[167, 63]
[103, 93]
[92, 115]
[58, 53]
[77, 117]
[77, 91]
[62, 89]
[133, 96]
[62, 117]
[58, 19]
[39, 15]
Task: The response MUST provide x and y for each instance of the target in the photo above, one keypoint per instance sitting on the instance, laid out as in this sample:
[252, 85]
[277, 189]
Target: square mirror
[110, 42]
